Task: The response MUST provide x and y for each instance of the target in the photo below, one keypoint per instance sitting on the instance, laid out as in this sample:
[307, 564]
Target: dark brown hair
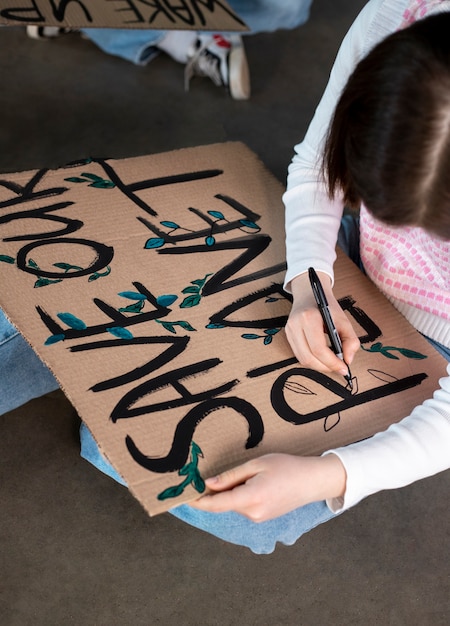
[388, 144]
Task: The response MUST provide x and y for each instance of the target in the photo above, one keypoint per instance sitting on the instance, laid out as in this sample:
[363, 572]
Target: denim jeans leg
[23, 376]
[232, 527]
[348, 239]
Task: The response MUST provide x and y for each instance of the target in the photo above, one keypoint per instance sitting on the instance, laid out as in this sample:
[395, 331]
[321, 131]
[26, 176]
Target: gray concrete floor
[75, 547]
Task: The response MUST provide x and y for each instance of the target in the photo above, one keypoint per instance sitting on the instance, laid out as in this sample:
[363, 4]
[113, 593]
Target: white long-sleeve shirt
[419, 445]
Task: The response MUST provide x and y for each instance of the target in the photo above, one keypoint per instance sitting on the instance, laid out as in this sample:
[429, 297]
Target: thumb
[232, 477]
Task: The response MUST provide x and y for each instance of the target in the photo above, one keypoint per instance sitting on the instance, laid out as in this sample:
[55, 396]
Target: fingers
[232, 492]
[306, 335]
[308, 341]
[274, 485]
[233, 477]
[234, 500]
[350, 344]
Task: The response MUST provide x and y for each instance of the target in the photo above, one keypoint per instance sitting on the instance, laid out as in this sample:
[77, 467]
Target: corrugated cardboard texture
[156, 14]
[152, 288]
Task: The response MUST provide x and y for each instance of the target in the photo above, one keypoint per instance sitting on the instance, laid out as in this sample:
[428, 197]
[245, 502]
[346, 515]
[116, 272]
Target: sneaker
[45, 32]
[177, 44]
[223, 60]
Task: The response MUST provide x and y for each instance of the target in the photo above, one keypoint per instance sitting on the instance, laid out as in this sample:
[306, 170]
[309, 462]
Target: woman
[387, 152]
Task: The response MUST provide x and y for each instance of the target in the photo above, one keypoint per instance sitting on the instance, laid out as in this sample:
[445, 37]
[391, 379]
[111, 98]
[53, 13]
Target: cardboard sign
[213, 15]
[152, 288]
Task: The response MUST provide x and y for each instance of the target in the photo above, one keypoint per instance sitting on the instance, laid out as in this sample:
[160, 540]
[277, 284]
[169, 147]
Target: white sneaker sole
[239, 73]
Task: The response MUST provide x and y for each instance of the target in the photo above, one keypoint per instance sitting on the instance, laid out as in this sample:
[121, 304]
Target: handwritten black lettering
[27, 193]
[253, 246]
[221, 318]
[185, 429]
[373, 331]
[103, 256]
[72, 225]
[124, 410]
[131, 7]
[289, 414]
[214, 226]
[189, 13]
[130, 189]
[116, 317]
[176, 346]
[29, 12]
[59, 9]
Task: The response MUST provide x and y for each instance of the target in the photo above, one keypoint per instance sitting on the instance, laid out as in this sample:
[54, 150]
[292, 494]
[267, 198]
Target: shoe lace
[203, 63]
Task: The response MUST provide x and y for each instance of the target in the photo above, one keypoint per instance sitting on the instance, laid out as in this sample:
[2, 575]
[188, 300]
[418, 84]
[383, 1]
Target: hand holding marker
[322, 303]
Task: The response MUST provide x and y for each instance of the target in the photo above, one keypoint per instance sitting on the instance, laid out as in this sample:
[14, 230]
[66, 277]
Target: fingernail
[212, 480]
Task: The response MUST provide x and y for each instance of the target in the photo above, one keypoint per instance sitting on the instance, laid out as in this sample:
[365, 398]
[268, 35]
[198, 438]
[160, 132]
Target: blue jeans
[232, 527]
[138, 45]
[23, 377]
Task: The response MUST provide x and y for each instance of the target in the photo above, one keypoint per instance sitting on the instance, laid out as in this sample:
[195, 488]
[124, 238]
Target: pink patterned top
[417, 9]
[411, 267]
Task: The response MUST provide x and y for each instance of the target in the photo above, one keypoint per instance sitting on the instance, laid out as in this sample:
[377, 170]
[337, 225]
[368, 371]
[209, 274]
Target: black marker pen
[322, 303]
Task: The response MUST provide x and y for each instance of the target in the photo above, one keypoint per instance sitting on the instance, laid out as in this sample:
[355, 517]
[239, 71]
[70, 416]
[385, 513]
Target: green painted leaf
[75, 179]
[154, 242]
[186, 469]
[210, 241]
[190, 302]
[43, 282]
[168, 326]
[91, 176]
[67, 266]
[132, 295]
[32, 263]
[217, 214]
[169, 224]
[136, 307]
[250, 336]
[272, 331]
[166, 300]
[411, 354]
[98, 275]
[388, 355]
[120, 332]
[249, 224]
[171, 492]
[191, 289]
[185, 325]
[54, 339]
[200, 281]
[7, 259]
[215, 326]
[198, 483]
[72, 321]
[103, 184]
[268, 340]
[196, 450]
